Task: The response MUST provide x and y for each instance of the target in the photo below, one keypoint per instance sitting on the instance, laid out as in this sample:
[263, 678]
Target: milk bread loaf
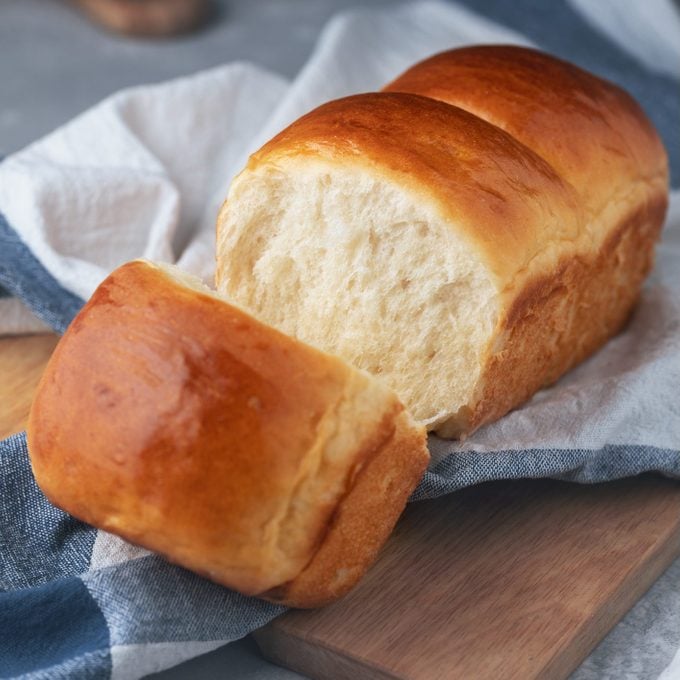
[468, 234]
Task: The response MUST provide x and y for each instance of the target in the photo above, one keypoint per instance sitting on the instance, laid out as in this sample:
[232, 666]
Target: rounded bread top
[509, 203]
[521, 151]
[592, 132]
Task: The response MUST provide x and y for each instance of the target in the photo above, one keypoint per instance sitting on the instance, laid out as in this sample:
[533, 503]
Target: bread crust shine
[593, 133]
[182, 424]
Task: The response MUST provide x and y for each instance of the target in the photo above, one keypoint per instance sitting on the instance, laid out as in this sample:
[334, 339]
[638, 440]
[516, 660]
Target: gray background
[54, 64]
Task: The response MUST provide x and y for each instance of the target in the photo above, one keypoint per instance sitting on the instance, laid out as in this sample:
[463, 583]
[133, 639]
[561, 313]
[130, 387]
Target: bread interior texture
[351, 262]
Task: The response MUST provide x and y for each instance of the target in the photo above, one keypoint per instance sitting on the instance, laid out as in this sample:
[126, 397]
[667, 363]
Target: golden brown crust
[591, 132]
[184, 425]
[363, 521]
[499, 194]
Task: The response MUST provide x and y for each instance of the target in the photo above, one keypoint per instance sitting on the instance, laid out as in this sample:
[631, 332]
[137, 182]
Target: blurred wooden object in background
[149, 18]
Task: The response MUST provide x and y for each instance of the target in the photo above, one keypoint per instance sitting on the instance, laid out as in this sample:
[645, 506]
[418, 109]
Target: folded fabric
[143, 174]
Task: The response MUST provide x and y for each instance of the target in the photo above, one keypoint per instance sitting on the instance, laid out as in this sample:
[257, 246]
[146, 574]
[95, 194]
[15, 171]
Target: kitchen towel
[142, 175]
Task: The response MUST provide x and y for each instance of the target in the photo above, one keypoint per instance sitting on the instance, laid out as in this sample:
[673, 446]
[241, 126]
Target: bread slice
[467, 236]
[182, 424]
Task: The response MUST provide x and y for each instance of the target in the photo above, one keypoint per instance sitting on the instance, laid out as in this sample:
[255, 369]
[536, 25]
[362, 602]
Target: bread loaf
[467, 235]
[180, 423]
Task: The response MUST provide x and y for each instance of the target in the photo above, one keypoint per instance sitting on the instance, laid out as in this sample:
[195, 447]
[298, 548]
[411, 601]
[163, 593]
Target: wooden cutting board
[504, 580]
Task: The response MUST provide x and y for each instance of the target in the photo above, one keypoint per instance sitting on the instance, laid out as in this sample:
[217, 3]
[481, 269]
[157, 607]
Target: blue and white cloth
[143, 173]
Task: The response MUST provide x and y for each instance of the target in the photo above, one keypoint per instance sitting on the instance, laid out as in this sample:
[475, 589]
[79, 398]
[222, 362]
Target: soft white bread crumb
[351, 263]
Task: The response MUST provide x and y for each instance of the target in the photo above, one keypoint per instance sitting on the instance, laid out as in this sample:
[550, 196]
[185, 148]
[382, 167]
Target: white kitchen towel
[143, 174]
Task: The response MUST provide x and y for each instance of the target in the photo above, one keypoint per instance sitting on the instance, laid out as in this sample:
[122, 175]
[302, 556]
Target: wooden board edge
[313, 658]
[637, 582]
